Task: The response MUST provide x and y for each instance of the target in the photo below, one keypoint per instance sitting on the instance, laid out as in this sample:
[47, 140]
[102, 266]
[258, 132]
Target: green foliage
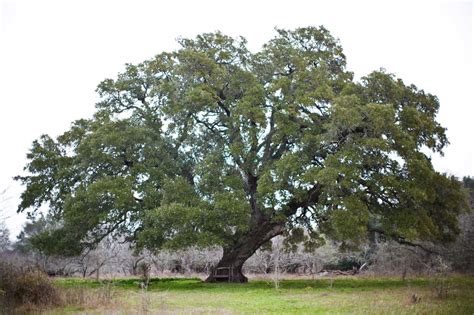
[33, 233]
[345, 264]
[211, 143]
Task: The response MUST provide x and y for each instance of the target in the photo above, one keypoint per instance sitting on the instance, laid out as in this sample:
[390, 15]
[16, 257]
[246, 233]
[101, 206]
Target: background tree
[4, 237]
[30, 241]
[214, 145]
[105, 254]
[461, 253]
[4, 231]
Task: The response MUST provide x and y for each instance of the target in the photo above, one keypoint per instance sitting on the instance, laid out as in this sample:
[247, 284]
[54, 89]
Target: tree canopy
[214, 144]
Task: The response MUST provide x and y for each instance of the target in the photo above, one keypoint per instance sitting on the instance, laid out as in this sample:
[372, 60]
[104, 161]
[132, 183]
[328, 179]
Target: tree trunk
[242, 249]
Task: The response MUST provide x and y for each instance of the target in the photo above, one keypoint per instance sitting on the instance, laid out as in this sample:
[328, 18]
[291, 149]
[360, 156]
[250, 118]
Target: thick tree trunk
[229, 268]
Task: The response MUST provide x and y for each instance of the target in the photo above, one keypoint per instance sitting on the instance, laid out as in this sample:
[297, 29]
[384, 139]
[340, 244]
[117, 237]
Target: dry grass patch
[84, 298]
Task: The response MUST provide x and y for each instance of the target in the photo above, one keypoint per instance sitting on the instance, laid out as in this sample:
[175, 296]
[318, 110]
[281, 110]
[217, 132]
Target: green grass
[345, 296]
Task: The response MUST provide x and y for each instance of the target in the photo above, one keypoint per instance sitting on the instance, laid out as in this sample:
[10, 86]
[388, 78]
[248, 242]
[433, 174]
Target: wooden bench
[223, 273]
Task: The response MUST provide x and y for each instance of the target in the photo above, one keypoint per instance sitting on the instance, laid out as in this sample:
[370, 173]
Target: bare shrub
[29, 288]
[35, 287]
[277, 250]
[144, 269]
[145, 302]
[440, 278]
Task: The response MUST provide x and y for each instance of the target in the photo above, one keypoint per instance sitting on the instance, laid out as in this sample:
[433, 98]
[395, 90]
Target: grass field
[345, 295]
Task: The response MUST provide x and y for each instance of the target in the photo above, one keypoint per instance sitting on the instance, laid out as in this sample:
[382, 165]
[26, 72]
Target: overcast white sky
[53, 53]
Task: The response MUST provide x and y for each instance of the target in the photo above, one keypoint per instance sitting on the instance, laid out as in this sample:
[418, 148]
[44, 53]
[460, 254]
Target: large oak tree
[213, 144]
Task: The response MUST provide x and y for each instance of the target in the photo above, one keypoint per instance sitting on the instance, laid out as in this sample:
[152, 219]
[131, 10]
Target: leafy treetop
[213, 144]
